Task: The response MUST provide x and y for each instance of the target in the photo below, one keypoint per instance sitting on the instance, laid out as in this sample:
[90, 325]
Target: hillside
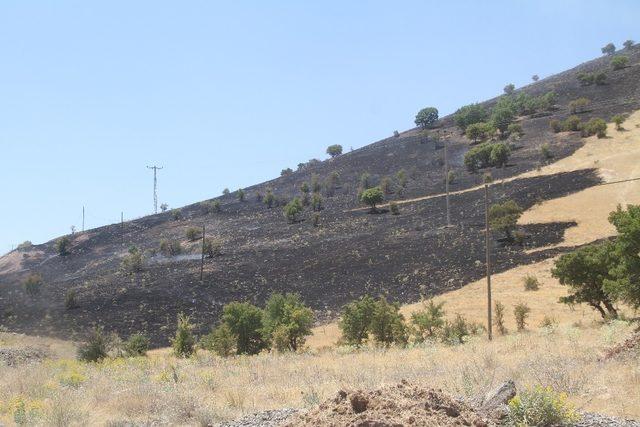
[350, 252]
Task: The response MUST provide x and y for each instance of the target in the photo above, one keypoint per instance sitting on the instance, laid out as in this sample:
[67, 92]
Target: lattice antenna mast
[155, 186]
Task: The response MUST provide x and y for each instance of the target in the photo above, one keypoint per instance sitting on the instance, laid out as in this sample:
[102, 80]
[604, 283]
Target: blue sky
[226, 94]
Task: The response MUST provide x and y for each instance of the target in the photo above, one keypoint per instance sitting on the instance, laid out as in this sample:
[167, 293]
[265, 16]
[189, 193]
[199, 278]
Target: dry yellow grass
[206, 389]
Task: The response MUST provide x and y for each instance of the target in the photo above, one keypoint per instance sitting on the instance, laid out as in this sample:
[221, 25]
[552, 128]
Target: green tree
[288, 315]
[625, 281]
[387, 323]
[535, 77]
[240, 194]
[504, 217]
[609, 49]
[499, 155]
[501, 118]
[285, 172]
[245, 322]
[509, 89]
[619, 62]
[334, 150]
[316, 202]
[427, 117]
[618, 119]
[479, 131]
[183, 342]
[193, 234]
[269, 199]
[356, 319]
[595, 126]
[470, 114]
[428, 321]
[628, 44]
[584, 271]
[136, 345]
[293, 209]
[95, 348]
[220, 340]
[133, 262]
[63, 245]
[372, 197]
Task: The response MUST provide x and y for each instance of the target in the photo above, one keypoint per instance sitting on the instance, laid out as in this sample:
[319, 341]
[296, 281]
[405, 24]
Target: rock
[494, 403]
[359, 403]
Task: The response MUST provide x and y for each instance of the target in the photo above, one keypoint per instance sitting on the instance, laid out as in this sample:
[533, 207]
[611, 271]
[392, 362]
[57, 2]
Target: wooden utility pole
[122, 226]
[202, 257]
[488, 257]
[446, 178]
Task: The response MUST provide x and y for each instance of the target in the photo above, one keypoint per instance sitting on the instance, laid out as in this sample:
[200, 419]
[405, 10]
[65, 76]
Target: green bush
[470, 114]
[193, 234]
[245, 321]
[33, 284]
[285, 172]
[214, 207]
[618, 119]
[426, 117]
[515, 129]
[316, 219]
[521, 313]
[485, 155]
[334, 150]
[225, 192]
[479, 131]
[572, 124]
[355, 320]
[501, 118]
[609, 49]
[95, 348]
[385, 185]
[293, 209]
[541, 406]
[498, 319]
[531, 283]
[240, 194]
[401, 177]
[183, 343]
[26, 245]
[288, 320]
[555, 125]
[176, 214]
[427, 322]
[70, 300]
[504, 217]
[393, 207]
[133, 262]
[619, 62]
[269, 199]
[316, 202]
[221, 341]
[587, 79]
[595, 126]
[212, 247]
[63, 246]
[304, 188]
[365, 180]
[331, 183]
[545, 151]
[387, 324]
[136, 345]
[600, 78]
[578, 105]
[372, 197]
[170, 247]
[456, 331]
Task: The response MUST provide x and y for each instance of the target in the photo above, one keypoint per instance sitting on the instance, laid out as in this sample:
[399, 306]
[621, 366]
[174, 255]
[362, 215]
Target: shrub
[572, 124]
[548, 322]
[221, 341]
[170, 248]
[136, 345]
[585, 79]
[427, 322]
[315, 183]
[401, 177]
[70, 300]
[33, 284]
[535, 78]
[470, 114]
[499, 312]
[619, 62]
[499, 155]
[95, 348]
[600, 78]
[293, 209]
[133, 262]
[287, 320]
[24, 245]
[479, 131]
[618, 119]
[515, 129]
[316, 202]
[304, 188]
[183, 343]
[628, 44]
[501, 118]
[426, 117]
[393, 207]
[556, 126]
[531, 283]
[609, 49]
[316, 219]
[387, 324]
[521, 313]
[396, 134]
[504, 217]
[63, 246]
[241, 195]
[365, 180]
[214, 207]
[545, 151]
[508, 89]
[372, 197]
[355, 320]
[269, 199]
[176, 214]
[595, 126]
[212, 247]
[451, 177]
[245, 321]
[578, 105]
[385, 185]
[193, 234]
[332, 181]
[541, 406]
[286, 171]
[334, 150]
[456, 331]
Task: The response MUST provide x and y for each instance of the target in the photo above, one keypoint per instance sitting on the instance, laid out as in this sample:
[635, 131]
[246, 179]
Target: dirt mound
[402, 404]
[15, 357]
[630, 345]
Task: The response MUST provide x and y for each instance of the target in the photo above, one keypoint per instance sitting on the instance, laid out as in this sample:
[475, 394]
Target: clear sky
[226, 94]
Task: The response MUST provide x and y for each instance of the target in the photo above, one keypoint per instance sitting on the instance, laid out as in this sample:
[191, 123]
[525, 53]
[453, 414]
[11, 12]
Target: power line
[155, 186]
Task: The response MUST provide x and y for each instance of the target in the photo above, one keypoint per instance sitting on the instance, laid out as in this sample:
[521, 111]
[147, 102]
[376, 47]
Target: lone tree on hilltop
[427, 117]
[535, 77]
[372, 197]
[334, 150]
[609, 49]
[628, 44]
[508, 89]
